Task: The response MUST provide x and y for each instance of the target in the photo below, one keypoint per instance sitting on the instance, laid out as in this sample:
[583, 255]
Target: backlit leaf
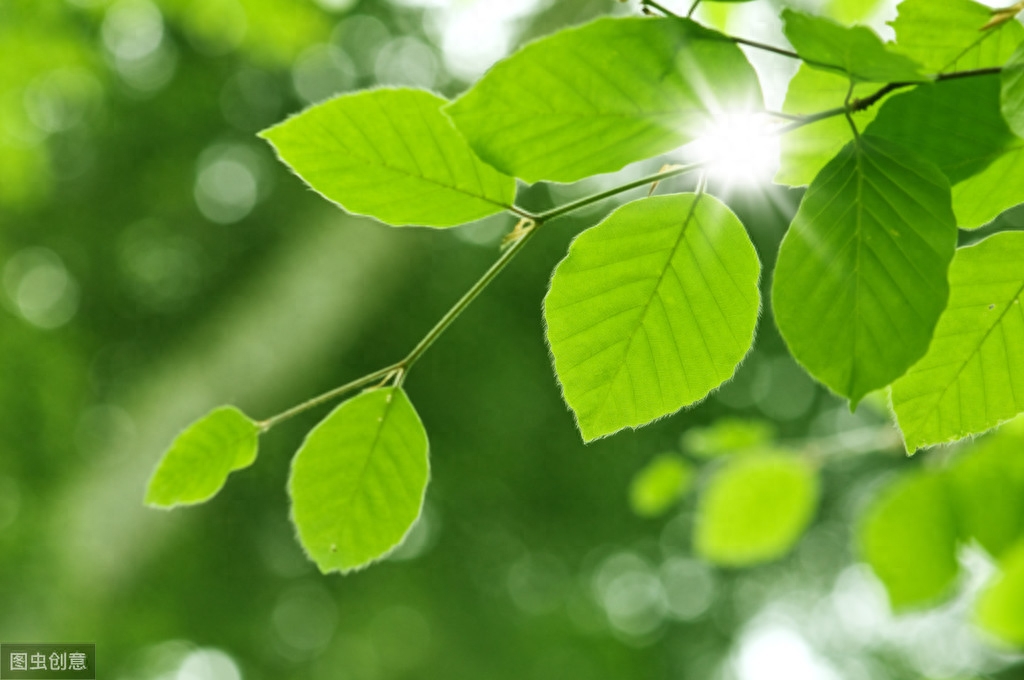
[908, 537]
[358, 481]
[726, 436]
[1013, 91]
[808, 149]
[595, 98]
[946, 35]
[393, 155]
[855, 51]
[986, 484]
[972, 377]
[651, 310]
[755, 509]
[199, 461]
[861, 276]
[660, 485]
[1001, 605]
[981, 159]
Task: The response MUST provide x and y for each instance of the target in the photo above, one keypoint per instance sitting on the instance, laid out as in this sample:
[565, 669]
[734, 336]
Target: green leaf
[660, 485]
[358, 481]
[930, 119]
[979, 158]
[198, 463]
[861, 276]
[908, 537]
[594, 98]
[726, 436]
[393, 155]
[945, 35]
[651, 310]
[1013, 91]
[1001, 605]
[755, 509]
[972, 377]
[808, 149]
[986, 484]
[855, 51]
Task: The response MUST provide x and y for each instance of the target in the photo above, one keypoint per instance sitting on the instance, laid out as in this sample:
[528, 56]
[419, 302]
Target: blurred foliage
[154, 262]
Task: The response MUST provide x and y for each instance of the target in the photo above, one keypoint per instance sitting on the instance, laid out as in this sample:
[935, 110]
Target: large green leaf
[357, 484]
[861, 276]
[972, 377]
[594, 98]
[1013, 91]
[986, 484]
[755, 509]
[393, 155]
[908, 536]
[199, 461]
[808, 149]
[945, 35]
[651, 310]
[855, 51]
[660, 485]
[981, 159]
[1001, 605]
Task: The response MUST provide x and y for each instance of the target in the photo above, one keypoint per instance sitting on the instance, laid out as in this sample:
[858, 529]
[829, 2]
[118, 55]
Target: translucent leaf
[908, 537]
[946, 35]
[855, 51]
[861, 276]
[660, 485]
[358, 481]
[972, 377]
[199, 461]
[651, 310]
[365, 151]
[1013, 91]
[726, 436]
[755, 509]
[1001, 605]
[806, 150]
[986, 484]
[979, 159]
[594, 98]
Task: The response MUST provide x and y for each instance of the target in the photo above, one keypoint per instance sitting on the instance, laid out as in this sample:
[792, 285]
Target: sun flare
[739, 148]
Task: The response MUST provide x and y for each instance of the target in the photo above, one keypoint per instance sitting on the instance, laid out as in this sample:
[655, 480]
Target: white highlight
[739, 148]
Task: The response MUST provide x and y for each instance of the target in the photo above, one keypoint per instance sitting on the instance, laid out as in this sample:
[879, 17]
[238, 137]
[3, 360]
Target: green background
[156, 261]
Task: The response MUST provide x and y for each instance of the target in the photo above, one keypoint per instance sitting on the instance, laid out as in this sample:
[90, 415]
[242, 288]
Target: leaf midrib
[643, 312]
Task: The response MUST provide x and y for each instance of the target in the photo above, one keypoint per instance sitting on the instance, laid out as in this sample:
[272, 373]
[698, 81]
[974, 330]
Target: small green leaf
[755, 509]
[1001, 605]
[660, 485]
[199, 461]
[972, 377]
[393, 155]
[986, 484]
[861, 276]
[726, 436]
[358, 481]
[592, 99]
[1013, 91]
[855, 51]
[808, 149]
[908, 537]
[945, 35]
[651, 310]
[977, 158]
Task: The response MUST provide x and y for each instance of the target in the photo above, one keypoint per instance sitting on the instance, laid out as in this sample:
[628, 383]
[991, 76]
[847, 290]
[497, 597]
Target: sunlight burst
[740, 148]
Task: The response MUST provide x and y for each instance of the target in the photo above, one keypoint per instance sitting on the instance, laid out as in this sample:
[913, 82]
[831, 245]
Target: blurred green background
[157, 261]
